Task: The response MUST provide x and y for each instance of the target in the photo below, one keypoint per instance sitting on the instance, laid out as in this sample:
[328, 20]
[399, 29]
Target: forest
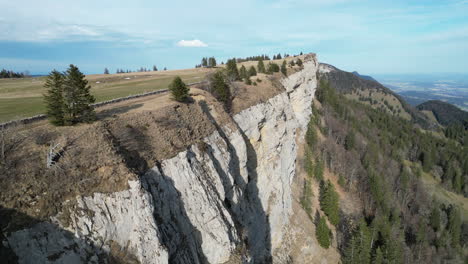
[385, 160]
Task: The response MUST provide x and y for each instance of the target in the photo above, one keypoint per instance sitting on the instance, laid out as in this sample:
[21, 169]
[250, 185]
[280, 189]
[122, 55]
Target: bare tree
[52, 155]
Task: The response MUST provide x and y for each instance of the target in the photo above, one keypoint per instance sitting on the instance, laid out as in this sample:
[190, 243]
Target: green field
[20, 98]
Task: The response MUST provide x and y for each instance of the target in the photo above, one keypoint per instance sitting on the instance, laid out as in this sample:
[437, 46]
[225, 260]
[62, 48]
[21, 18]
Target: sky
[370, 36]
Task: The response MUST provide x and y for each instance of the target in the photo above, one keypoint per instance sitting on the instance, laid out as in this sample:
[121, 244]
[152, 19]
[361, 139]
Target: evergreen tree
[329, 202]
[273, 67]
[322, 232]
[454, 226]
[220, 88]
[54, 98]
[261, 66]
[350, 140]
[155, 68]
[165, 68]
[252, 71]
[434, 219]
[278, 57]
[274, 57]
[243, 72]
[284, 69]
[359, 248]
[231, 70]
[378, 258]
[106, 71]
[179, 90]
[77, 97]
[318, 170]
[211, 62]
[204, 62]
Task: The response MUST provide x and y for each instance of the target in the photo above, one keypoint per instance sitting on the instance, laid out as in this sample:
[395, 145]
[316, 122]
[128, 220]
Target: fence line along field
[20, 98]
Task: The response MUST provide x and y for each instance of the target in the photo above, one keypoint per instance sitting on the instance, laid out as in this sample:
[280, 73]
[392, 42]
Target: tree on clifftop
[252, 71]
[220, 88]
[284, 70]
[68, 98]
[179, 90]
[77, 97]
[54, 98]
[261, 66]
[231, 70]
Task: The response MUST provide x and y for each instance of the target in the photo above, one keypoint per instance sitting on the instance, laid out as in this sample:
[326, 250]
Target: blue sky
[372, 37]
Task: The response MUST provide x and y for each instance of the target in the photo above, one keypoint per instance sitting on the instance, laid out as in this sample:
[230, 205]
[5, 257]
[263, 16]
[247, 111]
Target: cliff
[226, 198]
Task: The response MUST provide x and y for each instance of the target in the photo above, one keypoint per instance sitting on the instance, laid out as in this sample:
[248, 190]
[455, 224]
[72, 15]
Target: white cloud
[191, 43]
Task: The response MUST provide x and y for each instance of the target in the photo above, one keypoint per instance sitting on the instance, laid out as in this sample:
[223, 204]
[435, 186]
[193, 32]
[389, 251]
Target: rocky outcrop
[226, 199]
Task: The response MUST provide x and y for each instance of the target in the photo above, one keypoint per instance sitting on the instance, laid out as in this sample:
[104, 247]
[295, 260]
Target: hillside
[290, 170]
[410, 183]
[372, 93]
[445, 113]
[365, 77]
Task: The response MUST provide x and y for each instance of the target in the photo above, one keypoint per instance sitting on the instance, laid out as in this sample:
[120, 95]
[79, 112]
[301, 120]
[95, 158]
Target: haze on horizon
[372, 37]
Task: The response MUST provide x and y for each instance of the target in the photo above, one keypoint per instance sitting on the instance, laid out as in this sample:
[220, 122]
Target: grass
[20, 98]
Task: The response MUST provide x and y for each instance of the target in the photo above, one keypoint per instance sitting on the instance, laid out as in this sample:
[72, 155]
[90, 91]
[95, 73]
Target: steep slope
[445, 113]
[372, 93]
[411, 184]
[216, 190]
[365, 77]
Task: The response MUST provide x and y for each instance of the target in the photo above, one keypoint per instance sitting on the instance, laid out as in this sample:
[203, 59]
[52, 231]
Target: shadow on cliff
[51, 237]
[251, 220]
[180, 237]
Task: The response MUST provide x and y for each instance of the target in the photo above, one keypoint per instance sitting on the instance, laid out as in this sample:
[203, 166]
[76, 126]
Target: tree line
[141, 69]
[11, 74]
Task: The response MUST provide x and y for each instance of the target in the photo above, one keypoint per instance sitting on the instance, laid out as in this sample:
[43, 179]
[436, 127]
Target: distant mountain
[445, 113]
[365, 77]
[373, 93]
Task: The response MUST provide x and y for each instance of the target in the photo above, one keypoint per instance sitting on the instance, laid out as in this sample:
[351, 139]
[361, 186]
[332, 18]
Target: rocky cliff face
[227, 199]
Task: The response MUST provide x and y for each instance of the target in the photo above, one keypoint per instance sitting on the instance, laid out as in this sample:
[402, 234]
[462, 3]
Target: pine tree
[350, 140]
[155, 68]
[204, 62]
[322, 232]
[212, 62]
[454, 226]
[284, 70]
[54, 98]
[261, 66]
[179, 90]
[231, 70]
[274, 57]
[77, 97]
[329, 202]
[106, 71]
[278, 57]
[358, 250]
[378, 258]
[434, 219]
[243, 72]
[220, 88]
[252, 71]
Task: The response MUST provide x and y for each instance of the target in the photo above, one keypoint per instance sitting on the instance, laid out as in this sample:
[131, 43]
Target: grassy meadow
[20, 98]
